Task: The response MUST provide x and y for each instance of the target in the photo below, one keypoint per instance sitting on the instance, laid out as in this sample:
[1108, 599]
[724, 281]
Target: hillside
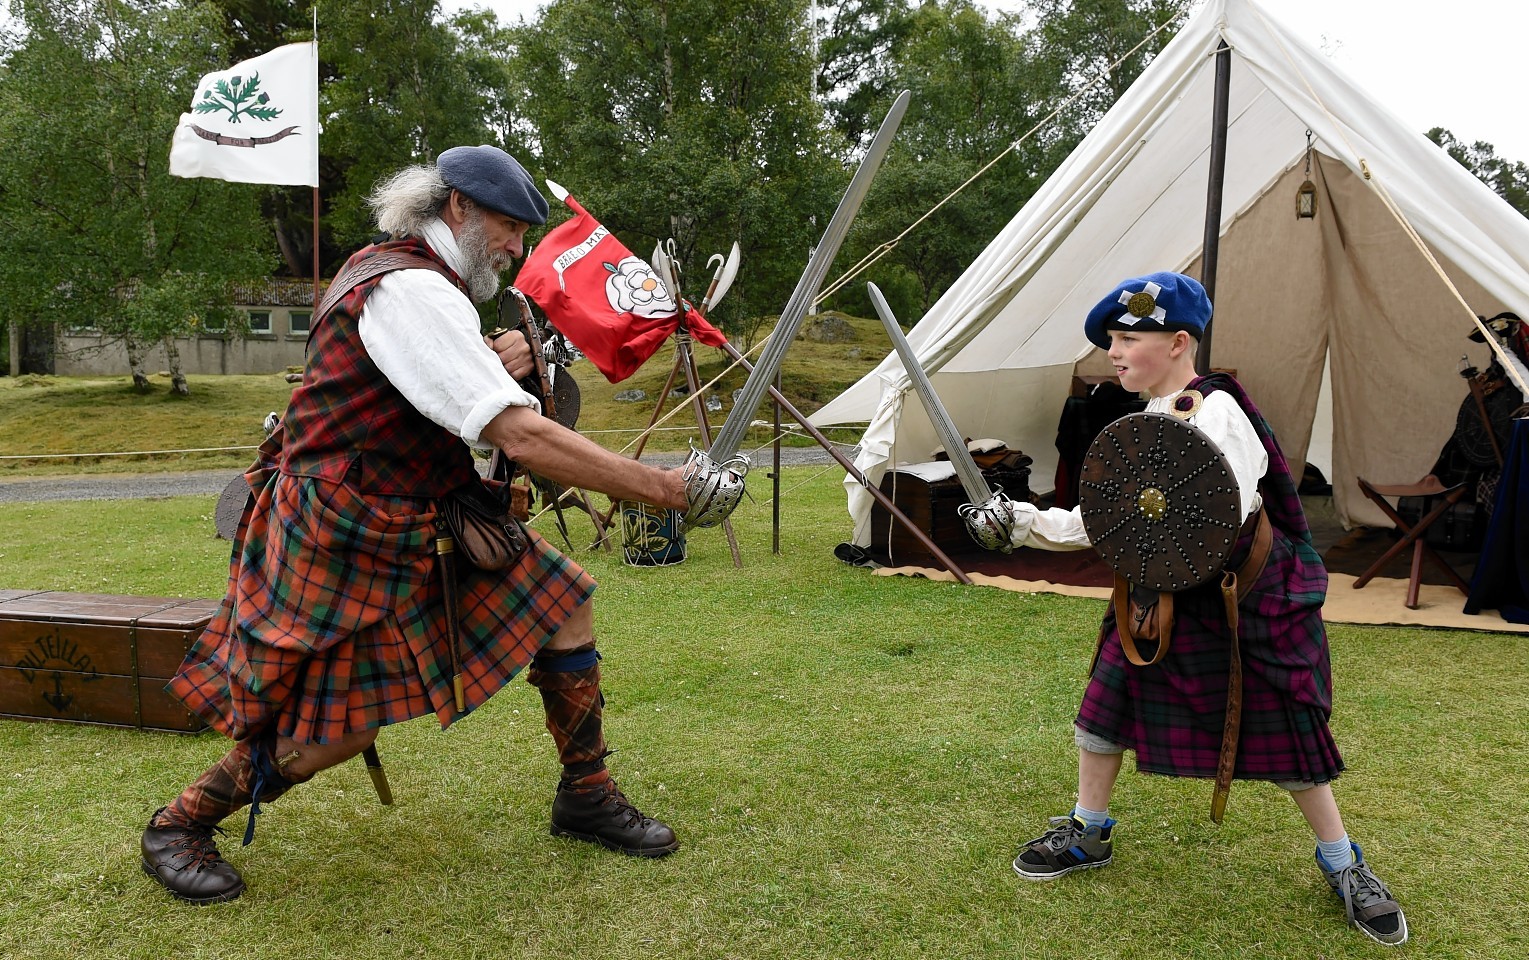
[62, 424]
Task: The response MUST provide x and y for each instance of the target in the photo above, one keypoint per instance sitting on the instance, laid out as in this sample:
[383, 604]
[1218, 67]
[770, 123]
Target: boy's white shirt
[423, 334]
[1219, 417]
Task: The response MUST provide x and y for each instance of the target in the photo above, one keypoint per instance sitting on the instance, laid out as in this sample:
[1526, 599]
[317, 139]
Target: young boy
[1171, 714]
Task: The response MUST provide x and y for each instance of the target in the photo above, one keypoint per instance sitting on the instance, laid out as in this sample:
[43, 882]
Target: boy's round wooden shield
[1159, 502]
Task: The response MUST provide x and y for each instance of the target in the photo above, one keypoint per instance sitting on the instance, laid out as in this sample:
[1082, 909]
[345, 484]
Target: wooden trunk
[931, 507]
[95, 658]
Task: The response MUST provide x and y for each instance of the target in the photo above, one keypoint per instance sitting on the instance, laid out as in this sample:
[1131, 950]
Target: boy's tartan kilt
[1171, 714]
[334, 620]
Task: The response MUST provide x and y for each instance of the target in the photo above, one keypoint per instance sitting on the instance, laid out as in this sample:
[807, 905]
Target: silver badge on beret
[1142, 305]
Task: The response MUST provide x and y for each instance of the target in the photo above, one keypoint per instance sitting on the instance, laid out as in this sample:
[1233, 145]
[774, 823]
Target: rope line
[125, 453]
[1392, 207]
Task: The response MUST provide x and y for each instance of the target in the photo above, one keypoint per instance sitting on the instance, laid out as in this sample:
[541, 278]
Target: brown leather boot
[186, 861]
[178, 849]
[601, 813]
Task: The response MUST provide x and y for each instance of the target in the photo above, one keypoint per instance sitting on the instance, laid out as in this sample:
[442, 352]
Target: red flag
[609, 303]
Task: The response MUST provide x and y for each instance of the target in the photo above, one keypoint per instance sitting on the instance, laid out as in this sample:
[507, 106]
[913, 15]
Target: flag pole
[314, 318]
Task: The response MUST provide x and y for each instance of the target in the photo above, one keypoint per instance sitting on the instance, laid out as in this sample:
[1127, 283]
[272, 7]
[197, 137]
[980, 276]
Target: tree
[1509, 179]
[979, 85]
[686, 119]
[856, 45]
[1075, 42]
[401, 93]
[94, 232]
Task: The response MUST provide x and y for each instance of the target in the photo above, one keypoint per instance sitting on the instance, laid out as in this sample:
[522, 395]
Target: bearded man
[337, 621]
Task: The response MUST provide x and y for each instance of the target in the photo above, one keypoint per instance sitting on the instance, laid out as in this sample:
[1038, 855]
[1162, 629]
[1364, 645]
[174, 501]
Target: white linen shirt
[1222, 420]
[423, 334]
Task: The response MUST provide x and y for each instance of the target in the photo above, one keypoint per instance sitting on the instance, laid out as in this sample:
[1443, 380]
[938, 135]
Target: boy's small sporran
[650, 536]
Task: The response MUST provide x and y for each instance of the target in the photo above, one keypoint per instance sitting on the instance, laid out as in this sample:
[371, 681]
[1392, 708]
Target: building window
[298, 325]
[214, 326]
[260, 321]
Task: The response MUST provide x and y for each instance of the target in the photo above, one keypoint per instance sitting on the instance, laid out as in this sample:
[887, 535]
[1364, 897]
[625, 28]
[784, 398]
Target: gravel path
[211, 482]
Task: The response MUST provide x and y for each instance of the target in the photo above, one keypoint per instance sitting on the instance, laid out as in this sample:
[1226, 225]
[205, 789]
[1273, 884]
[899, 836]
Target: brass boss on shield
[1152, 504]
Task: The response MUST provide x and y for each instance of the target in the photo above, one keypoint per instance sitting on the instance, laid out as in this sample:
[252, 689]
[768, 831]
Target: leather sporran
[1145, 613]
[484, 529]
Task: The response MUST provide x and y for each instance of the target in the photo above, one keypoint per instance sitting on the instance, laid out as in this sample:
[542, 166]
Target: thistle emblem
[238, 97]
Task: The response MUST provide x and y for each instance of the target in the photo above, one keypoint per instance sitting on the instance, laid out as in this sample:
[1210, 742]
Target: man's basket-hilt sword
[988, 517]
[723, 457]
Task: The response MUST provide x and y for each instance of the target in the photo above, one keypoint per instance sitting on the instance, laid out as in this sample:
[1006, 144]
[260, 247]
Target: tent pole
[1213, 194]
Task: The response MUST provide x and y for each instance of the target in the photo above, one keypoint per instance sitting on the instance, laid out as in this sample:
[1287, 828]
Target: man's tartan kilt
[1171, 714]
[334, 620]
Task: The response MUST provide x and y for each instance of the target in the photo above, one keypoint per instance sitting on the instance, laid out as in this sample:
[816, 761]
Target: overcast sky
[1459, 64]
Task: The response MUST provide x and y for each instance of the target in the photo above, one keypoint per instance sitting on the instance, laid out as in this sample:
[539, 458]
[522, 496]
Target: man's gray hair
[405, 203]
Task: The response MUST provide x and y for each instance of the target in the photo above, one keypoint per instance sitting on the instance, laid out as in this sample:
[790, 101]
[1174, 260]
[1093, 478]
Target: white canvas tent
[1348, 292]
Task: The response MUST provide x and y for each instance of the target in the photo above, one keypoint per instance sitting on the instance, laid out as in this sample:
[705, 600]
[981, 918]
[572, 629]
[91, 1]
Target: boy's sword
[988, 517]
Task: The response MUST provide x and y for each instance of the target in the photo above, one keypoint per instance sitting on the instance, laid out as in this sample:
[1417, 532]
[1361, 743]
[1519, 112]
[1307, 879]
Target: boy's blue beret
[1158, 301]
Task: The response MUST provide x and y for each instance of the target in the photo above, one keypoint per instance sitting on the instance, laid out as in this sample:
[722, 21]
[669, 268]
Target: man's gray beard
[480, 269]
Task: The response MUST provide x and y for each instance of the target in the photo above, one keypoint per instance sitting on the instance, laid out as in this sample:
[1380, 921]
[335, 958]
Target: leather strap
[1226, 763]
[1162, 611]
[1234, 589]
[1258, 556]
[356, 274]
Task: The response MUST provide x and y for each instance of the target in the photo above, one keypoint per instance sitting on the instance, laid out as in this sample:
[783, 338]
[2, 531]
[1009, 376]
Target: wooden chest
[932, 508]
[95, 658]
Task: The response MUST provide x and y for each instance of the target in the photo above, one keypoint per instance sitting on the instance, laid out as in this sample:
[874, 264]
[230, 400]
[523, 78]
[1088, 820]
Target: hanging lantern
[1306, 201]
[1306, 196]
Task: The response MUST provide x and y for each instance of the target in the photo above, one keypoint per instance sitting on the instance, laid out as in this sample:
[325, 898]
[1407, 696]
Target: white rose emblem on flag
[633, 287]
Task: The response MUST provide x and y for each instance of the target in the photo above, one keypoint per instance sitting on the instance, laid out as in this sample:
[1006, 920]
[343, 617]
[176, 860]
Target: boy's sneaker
[1069, 845]
[1366, 900]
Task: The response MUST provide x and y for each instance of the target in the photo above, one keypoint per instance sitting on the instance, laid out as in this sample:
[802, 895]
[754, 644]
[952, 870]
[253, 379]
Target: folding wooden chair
[1437, 499]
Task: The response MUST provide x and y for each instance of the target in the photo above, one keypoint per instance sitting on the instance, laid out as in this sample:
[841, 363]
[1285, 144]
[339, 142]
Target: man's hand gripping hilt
[712, 489]
[990, 523]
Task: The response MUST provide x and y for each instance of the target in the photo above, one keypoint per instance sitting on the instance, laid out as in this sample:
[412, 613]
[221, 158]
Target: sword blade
[972, 480]
[730, 437]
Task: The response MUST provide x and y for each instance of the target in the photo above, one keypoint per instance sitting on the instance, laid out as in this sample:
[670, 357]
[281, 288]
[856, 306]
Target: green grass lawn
[850, 762]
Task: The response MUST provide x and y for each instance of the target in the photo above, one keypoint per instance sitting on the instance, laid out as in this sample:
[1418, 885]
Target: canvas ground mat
[1382, 601]
[1080, 573]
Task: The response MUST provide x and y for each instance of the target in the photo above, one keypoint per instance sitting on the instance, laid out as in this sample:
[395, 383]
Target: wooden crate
[96, 658]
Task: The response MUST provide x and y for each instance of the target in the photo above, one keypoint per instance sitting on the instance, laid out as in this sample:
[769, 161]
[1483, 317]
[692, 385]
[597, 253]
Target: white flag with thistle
[256, 122]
